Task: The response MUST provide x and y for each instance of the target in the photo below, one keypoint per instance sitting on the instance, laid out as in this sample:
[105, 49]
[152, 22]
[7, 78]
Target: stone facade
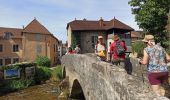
[87, 45]
[103, 81]
[86, 32]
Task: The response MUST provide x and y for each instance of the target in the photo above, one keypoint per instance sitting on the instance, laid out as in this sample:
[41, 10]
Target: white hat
[100, 37]
[148, 37]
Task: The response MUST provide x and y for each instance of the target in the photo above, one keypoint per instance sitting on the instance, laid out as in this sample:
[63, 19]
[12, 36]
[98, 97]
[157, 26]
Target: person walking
[70, 51]
[100, 49]
[156, 58]
[77, 49]
[118, 49]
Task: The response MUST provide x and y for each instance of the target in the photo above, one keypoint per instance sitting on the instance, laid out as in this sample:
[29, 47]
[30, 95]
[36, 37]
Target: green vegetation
[13, 85]
[152, 17]
[43, 61]
[138, 47]
[42, 74]
[17, 66]
[75, 40]
[57, 73]
[168, 50]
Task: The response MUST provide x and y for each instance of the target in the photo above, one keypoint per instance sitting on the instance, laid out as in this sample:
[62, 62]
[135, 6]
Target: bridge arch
[77, 91]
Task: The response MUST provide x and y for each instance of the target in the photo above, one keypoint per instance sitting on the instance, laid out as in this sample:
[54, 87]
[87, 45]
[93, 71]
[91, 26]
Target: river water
[47, 91]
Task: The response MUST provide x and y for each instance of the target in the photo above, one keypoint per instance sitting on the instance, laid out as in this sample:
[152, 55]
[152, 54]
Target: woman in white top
[100, 49]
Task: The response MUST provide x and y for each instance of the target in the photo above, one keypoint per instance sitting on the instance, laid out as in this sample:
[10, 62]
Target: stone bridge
[90, 79]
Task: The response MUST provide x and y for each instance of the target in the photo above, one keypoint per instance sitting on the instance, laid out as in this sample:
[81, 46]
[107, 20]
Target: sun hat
[148, 37]
[100, 37]
[116, 37]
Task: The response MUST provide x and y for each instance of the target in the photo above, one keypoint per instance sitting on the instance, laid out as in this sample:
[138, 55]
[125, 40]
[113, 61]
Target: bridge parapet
[103, 81]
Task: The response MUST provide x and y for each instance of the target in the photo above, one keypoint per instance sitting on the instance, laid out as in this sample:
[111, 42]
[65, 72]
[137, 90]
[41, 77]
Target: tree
[152, 17]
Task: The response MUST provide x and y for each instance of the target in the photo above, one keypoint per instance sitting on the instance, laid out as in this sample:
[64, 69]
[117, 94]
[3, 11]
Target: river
[47, 91]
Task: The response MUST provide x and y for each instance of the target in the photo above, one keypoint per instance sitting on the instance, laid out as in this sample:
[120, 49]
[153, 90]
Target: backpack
[119, 49]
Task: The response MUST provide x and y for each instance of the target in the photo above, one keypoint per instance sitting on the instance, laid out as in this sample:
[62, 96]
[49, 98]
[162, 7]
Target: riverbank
[48, 91]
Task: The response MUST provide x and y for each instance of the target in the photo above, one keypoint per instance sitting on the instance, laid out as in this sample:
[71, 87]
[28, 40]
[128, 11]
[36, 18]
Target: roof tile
[36, 27]
[98, 25]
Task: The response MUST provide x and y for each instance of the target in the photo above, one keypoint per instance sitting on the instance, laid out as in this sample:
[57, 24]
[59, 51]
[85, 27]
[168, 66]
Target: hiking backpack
[119, 49]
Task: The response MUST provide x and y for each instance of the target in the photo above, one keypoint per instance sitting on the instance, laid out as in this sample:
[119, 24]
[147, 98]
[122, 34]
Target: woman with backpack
[156, 58]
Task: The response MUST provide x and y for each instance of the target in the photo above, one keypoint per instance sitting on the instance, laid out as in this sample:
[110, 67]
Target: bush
[43, 61]
[18, 84]
[17, 66]
[42, 74]
[57, 73]
[138, 47]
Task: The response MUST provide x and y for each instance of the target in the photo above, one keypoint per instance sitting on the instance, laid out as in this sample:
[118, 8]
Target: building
[20, 45]
[136, 35]
[85, 33]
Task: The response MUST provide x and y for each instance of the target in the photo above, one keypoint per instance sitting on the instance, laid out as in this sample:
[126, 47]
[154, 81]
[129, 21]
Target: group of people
[77, 50]
[155, 57]
[115, 52]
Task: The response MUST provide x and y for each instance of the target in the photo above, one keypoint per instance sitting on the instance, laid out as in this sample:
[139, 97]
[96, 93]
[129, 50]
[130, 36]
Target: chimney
[23, 26]
[84, 19]
[101, 22]
[113, 21]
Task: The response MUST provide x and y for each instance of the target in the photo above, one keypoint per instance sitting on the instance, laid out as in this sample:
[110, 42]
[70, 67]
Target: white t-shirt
[100, 47]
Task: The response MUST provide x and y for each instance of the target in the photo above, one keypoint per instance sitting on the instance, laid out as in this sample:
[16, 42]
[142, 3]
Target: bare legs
[158, 90]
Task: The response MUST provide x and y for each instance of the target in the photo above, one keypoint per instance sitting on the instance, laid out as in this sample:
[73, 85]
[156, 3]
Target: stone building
[85, 32]
[19, 45]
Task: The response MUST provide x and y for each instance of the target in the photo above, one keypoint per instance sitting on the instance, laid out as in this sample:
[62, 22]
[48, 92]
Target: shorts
[157, 78]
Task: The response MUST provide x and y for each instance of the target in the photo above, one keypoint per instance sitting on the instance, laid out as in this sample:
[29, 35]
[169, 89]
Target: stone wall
[104, 81]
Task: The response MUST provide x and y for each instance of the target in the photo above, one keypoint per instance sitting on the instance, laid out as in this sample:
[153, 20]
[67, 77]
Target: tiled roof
[36, 27]
[33, 27]
[98, 25]
[16, 32]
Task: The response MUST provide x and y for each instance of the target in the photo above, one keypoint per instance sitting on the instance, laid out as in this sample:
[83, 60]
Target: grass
[57, 73]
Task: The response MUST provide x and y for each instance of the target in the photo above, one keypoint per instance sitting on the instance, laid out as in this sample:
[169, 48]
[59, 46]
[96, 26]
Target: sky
[55, 14]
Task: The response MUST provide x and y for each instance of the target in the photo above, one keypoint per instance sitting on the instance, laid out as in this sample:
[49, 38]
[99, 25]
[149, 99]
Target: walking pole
[141, 70]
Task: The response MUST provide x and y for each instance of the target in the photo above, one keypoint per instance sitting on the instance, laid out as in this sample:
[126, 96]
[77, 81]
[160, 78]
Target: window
[39, 49]
[1, 48]
[7, 35]
[15, 60]
[38, 37]
[128, 36]
[94, 40]
[7, 61]
[54, 47]
[1, 62]
[57, 47]
[15, 48]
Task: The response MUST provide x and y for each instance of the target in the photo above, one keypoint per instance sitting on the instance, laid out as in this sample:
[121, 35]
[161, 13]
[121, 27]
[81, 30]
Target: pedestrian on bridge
[156, 58]
[118, 49]
[100, 49]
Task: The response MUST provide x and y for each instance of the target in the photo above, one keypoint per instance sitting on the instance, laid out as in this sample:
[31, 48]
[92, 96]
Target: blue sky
[55, 14]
